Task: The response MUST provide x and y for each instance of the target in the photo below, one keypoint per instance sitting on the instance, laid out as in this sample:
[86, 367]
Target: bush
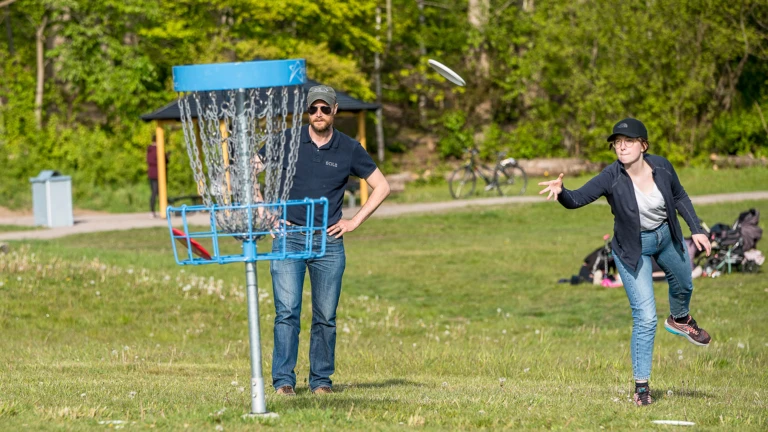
[99, 161]
[738, 132]
[456, 137]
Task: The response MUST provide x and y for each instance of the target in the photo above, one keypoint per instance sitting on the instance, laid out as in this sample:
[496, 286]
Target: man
[326, 159]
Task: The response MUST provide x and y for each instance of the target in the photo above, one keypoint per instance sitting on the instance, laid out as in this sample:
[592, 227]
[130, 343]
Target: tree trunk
[531, 84]
[389, 24]
[377, 80]
[478, 14]
[2, 124]
[762, 119]
[726, 87]
[554, 166]
[40, 43]
[9, 30]
[737, 161]
[528, 6]
[422, 55]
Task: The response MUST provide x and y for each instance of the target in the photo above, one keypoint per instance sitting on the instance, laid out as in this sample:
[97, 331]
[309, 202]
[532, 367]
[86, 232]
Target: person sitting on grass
[644, 193]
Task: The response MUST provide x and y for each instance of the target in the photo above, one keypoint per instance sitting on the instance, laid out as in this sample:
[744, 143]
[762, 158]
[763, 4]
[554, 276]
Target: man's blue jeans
[675, 262]
[287, 282]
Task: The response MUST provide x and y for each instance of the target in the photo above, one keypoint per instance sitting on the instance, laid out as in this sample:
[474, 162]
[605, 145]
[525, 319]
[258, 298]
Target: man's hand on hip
[341, 227]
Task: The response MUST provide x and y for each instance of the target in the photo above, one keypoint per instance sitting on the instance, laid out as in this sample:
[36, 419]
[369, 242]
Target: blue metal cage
[250, 234]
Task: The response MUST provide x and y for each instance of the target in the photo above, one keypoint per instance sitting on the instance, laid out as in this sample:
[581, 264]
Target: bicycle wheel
[462, 182]
[511, 180]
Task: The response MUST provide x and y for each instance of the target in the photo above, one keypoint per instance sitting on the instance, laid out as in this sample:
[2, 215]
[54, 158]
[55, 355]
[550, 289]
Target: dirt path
[88, 222]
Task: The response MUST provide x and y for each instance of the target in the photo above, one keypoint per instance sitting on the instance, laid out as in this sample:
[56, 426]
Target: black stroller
[730, 243]
[601, 259]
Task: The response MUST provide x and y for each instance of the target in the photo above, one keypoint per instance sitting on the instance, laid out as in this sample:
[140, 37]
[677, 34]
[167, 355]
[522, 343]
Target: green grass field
[447, 321]
[8, 228]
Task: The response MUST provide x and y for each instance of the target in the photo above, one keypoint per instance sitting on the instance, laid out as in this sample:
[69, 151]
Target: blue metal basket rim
[241, 75]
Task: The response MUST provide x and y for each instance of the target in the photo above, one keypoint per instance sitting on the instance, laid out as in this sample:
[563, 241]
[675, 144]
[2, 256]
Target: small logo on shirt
[333, 164]
[621, 126]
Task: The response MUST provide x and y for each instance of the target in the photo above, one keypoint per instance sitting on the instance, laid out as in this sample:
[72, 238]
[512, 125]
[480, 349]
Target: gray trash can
[52, 199]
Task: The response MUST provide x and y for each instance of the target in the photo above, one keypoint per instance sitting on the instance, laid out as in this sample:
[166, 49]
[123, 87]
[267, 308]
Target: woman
[644, 192]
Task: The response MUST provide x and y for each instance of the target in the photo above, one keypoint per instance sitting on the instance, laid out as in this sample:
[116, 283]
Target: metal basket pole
[258, 400]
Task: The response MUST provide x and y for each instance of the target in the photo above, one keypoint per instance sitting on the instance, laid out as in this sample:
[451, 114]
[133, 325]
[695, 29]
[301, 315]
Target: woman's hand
[554, 187]
[702, 241]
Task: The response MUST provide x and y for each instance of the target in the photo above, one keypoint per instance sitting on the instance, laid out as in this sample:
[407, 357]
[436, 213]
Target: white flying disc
[674, 422]
[446, 72]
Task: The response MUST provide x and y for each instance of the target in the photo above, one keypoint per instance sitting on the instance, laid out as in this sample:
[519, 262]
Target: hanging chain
[227, 174]
[293, 156]
[193, 151]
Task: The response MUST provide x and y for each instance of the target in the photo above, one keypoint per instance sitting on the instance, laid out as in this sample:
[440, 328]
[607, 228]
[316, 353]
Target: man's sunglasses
[324, 108]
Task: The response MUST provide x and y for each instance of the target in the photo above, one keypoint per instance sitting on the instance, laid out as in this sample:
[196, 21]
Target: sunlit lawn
[449, 321]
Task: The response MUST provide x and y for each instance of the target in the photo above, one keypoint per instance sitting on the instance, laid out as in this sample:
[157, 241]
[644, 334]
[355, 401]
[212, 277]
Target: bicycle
[508, 177]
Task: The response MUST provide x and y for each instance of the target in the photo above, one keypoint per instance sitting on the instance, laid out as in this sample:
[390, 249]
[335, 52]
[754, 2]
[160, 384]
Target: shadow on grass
[341, 388]
[677, 393]
[344, 400]
[336, 403]
[378, 384]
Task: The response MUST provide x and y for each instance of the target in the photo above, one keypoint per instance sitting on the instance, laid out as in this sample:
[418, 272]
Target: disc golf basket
[242, 147]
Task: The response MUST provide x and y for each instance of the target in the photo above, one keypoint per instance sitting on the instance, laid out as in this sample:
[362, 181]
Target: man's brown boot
[286, 390]
[322, 390]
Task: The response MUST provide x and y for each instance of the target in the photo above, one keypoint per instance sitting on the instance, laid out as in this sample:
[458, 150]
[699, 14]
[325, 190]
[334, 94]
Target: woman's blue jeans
[287, 282]
[638, 284]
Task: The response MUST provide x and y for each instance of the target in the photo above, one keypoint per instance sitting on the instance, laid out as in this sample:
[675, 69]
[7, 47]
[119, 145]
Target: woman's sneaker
[643, 395]
[688, 329]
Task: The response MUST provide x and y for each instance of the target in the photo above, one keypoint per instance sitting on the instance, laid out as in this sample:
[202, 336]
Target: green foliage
[341, 72]
[531, 140]
[100, 162]
[575, 70]
[109, 61]
[741, 131]
[493, 142]
[457, 137]
[555, 74]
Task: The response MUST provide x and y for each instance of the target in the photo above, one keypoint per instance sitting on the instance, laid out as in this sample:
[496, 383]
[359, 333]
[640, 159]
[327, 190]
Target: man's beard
[327, 125]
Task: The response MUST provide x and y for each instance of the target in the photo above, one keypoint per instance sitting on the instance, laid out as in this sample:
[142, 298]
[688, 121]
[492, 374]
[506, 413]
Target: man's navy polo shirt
[324, 172]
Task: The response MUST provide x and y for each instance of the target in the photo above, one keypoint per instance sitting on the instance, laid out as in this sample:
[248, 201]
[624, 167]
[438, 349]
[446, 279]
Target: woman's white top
[652, 209]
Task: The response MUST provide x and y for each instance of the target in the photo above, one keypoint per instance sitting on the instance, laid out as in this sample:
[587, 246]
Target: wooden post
[162, 185]
[361, 138]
